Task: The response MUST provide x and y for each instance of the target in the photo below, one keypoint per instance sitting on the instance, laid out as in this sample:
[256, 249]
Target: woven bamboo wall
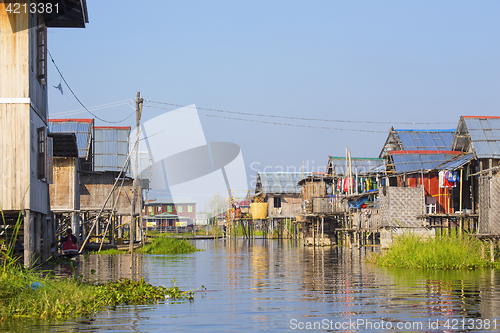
[484, 205]
[400, 206]
[489, 205]
[62, 191]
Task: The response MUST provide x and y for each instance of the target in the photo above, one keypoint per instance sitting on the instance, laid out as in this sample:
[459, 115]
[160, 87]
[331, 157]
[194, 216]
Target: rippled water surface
[280, 286]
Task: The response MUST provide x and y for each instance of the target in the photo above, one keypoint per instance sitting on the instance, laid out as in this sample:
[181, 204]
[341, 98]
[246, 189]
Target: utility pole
[138, 112]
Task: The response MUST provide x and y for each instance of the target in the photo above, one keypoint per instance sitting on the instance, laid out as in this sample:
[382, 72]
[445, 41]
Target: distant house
[24, 145]
[281, 192]
[167, 212]
[201, 219]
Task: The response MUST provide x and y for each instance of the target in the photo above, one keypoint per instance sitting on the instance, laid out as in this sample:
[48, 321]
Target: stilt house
[24, 145]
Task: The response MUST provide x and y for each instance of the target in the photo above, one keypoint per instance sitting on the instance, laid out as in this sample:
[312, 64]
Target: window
[277, 202]
[41, 41]
[179, 209]
[169, 208]
[190, 208]
[158, 209]
[41, 152]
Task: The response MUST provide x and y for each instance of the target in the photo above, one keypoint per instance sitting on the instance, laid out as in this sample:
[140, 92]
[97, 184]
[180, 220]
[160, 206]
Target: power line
[67, 85]
[307, 119]
[273, 123]
[93, 108]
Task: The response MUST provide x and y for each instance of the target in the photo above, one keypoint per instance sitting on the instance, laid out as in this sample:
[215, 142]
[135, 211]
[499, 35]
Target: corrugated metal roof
[456, 163]
[440, 139]
[485, 135]
[417, 161]
[111, 148]
[81, 127]
[281, 182]
[359, 165]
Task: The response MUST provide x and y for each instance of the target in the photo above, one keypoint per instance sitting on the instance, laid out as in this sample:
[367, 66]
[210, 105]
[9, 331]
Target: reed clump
[441, 252]
[166, 245]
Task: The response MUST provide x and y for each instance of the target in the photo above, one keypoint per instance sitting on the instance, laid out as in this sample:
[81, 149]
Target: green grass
[445, 252]
[166, 245]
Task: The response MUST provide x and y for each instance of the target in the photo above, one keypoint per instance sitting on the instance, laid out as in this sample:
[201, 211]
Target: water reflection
[264, 285]
[105, 267]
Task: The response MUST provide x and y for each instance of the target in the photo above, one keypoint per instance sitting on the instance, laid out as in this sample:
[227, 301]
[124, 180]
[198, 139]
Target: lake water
[270, 285]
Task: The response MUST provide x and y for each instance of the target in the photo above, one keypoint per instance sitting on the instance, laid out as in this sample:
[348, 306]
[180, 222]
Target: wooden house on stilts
[24, 144]
[279, 191]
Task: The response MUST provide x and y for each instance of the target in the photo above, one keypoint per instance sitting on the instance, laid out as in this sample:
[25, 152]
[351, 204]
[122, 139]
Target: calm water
[278, 286]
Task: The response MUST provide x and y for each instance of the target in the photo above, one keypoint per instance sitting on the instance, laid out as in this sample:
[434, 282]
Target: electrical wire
[67, 85]
[307, 119]
[97, 107]
[270, 122]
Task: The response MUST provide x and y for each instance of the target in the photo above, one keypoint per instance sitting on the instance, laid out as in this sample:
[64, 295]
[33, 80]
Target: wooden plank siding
[15, 54]
[23, 109]
[15, 161]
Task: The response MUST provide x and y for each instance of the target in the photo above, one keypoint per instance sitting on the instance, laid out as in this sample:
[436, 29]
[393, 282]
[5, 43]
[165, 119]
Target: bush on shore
[444, 252]
[166, 245]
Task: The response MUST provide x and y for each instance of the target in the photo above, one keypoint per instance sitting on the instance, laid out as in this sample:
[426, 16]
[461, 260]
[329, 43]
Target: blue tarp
[357, 203]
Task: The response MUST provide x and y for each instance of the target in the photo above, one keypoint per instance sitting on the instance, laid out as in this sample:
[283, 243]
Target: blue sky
[389, 61]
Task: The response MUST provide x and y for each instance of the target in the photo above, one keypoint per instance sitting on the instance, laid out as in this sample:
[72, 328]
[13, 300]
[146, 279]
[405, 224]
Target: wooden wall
[290, 206]
[14, 54]
[20, 115]
[94, 189]
[15, 156]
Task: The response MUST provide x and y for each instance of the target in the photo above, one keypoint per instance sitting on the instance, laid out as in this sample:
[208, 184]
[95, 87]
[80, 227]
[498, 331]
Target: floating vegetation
[126, 291]
[27, 293]
[441, 252]
[166, 245]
